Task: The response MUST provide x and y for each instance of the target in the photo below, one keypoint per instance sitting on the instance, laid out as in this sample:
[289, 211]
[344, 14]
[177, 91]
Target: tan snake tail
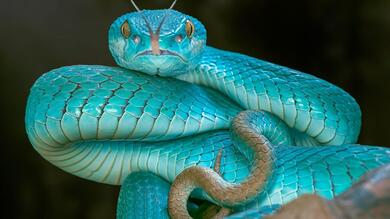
[225, 193]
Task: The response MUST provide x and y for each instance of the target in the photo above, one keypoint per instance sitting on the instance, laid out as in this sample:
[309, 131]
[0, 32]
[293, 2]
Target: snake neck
[323, 113]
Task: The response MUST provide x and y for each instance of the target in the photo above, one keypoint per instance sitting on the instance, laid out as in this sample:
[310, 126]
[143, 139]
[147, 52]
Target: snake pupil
[190, 28]
[125, 29]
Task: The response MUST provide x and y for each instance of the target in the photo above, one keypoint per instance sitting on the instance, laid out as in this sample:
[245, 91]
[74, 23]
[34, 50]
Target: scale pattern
[96, 103]
[143, 188]
[306, 103]
[103, 123]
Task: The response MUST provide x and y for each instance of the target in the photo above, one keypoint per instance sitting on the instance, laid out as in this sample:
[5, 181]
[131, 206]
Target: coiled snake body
[170, 106]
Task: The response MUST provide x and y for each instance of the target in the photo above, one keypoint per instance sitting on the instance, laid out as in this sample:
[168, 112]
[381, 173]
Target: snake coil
[168, 108]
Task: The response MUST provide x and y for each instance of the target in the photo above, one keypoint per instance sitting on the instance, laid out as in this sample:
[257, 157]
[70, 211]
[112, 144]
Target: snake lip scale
[273, 133]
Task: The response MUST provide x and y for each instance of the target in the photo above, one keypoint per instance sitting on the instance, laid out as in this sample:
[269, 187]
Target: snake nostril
[136, 39]
[179, 38]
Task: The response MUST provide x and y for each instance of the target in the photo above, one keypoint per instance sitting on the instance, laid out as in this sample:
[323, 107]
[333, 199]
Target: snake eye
[125, 29]
[190, 28]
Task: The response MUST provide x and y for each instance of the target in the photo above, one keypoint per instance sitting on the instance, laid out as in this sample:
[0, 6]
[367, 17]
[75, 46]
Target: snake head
[157, 42]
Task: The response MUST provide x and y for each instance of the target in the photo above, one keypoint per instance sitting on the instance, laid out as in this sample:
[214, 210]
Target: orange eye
[125, 29]
[190, 28]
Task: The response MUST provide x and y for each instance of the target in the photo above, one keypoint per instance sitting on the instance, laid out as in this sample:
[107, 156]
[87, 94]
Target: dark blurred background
[345, 42]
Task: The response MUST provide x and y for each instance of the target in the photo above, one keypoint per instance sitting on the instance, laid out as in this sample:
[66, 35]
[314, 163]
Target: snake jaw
[162, 52]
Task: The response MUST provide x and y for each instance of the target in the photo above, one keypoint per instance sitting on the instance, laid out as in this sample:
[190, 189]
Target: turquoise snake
[171, 104]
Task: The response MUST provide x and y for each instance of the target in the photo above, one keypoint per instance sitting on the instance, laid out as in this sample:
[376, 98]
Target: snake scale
[176, 109]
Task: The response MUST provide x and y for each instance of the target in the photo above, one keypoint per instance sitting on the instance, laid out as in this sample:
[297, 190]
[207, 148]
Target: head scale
[157, 42]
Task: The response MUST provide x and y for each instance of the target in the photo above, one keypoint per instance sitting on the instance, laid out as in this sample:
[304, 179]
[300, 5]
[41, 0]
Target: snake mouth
[163, 52]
